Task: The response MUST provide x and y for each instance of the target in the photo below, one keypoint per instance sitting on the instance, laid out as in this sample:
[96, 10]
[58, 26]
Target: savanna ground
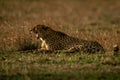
[86, 19]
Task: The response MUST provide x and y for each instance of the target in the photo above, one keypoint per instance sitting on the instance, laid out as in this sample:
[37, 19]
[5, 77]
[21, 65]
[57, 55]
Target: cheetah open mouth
[37, 36]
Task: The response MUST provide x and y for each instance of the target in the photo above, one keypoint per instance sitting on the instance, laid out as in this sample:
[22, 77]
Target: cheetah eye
[33, 31]
[36, 32]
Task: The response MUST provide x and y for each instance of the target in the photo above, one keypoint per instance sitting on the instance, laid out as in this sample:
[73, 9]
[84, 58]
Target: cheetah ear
[44, 27]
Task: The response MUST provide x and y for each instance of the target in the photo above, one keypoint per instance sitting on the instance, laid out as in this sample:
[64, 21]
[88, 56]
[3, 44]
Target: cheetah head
[41, 30]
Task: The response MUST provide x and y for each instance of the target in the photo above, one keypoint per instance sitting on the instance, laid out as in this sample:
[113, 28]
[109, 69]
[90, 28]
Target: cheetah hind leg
[76, 48]
[43, 51]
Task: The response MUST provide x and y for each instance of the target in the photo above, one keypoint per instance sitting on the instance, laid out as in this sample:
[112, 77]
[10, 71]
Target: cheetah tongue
[37, 36]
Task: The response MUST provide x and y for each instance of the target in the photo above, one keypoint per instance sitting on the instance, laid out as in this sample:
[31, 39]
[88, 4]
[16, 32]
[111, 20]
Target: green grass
[25, 66]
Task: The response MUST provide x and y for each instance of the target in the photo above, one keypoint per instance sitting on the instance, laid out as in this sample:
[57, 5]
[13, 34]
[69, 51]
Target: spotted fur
[56, 41]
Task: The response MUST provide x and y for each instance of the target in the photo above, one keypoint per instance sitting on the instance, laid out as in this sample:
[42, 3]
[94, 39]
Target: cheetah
[58, 41]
